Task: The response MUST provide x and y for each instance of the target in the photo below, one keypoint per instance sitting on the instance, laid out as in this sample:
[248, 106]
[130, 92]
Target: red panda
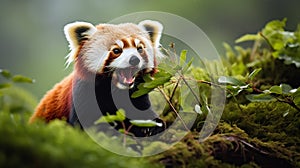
[110, 59]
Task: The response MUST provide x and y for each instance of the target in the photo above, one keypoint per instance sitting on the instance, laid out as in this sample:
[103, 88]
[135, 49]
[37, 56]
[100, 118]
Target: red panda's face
[120, 51]
[126, 58]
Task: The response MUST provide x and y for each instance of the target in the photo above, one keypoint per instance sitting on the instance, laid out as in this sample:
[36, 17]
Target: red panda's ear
[77, 32]
[154, 29]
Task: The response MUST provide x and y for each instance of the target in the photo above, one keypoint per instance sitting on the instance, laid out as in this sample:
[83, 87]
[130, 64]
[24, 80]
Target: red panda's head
[121, 51]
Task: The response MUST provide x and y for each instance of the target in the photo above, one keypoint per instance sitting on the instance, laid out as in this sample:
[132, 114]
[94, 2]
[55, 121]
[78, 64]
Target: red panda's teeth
[128, 81]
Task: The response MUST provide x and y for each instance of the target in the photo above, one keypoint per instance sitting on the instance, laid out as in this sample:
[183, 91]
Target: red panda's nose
[134, 60]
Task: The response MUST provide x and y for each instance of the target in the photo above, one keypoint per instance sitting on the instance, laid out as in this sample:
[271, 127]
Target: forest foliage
[258, 128]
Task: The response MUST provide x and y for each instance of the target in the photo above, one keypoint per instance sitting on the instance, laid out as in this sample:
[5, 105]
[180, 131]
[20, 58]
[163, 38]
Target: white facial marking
[136, 42]
[120, 43]
[95, 60]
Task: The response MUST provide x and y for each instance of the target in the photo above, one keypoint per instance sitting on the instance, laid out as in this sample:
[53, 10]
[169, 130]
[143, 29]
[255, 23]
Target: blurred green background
[33, 44]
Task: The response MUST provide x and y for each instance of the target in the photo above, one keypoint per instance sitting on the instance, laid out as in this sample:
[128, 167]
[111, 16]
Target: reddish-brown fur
[56, 103]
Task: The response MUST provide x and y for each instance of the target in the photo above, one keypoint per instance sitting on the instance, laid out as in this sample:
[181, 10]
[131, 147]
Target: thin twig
[126, 132]
[196, 97]
[173, 108]
[267, 40]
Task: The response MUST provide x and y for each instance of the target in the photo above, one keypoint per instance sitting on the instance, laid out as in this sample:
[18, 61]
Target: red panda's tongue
[127, 75]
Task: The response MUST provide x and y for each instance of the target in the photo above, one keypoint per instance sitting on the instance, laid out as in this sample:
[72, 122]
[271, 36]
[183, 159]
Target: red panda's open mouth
[125, 77]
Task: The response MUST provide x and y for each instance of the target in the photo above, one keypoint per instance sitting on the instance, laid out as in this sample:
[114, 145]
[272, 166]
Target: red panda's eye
[140, 49]
[117, 51]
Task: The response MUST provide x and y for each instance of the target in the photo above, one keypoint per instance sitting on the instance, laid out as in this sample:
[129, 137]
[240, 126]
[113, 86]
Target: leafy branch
[283, 93]
[12, 97]
[10, 79]
[285, 45]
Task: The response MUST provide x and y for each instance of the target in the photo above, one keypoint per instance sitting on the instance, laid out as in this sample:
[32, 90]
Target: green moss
[54, 145]
[270, 121]
[16, 100]
[229, 146]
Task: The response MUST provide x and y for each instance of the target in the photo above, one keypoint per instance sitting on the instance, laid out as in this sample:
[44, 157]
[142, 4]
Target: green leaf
[248, 37]
[102, 119]
[22, 79]
[4, 85]
[274, 33]
[156, 82]
[275, 90]
[141, 91]
[106, 119]
[296, 96]
[285, 88]
[145, 123]
[122, 131]
[188, 65]
[254, 73]
[259, 97]
[5, 73]
[275, 25]
[120, 115]
[290, 53]
[182, 57]
[147, 78]
[297, 101]
[162, 73]
[159, 78]
[167, 68]
[230, 80]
